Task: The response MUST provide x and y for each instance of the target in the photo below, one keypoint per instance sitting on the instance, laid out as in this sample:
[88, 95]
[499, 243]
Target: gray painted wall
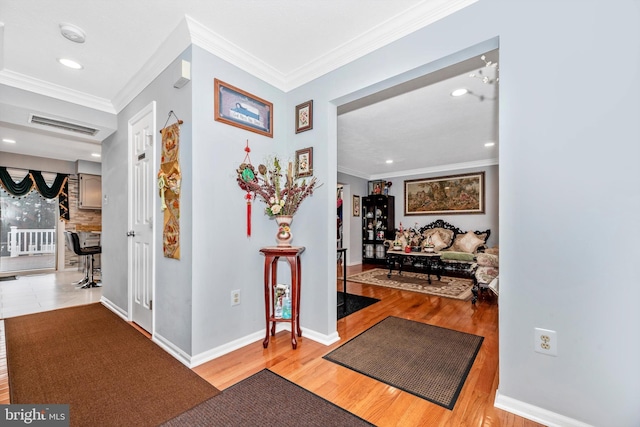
[568, 85]
[353, 242]
[173, 295]
[480, 222]
[224, 258]
[558, 182]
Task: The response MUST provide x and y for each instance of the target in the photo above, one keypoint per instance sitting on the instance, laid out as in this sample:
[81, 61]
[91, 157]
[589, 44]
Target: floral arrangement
[282, 194]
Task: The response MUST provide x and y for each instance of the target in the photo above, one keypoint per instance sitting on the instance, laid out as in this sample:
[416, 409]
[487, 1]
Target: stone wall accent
[81, 220]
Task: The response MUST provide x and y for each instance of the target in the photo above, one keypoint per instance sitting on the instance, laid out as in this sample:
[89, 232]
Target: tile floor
[43, 292]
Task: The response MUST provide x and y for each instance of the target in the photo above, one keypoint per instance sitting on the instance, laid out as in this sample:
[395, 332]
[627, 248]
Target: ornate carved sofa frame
[450, 263]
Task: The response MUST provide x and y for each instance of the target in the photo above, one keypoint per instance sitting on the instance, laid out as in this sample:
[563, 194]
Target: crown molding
[353, 172]
[41, 87]
[422, 171]
[217, 45]
[190, 31]
[387, 32]
[175, 43]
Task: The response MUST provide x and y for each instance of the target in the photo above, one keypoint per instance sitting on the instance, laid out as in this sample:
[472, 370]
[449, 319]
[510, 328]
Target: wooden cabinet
[90, 192]
[378, 225]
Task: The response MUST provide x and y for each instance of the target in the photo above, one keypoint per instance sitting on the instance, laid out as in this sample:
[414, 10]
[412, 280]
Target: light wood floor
[374, 401]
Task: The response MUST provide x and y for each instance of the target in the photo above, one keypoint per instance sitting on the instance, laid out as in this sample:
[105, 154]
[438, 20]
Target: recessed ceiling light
[489, 144]
[9, 141]
[389, 161]
[73, 33]
[95, 154]
[70, 63]
[459, 92]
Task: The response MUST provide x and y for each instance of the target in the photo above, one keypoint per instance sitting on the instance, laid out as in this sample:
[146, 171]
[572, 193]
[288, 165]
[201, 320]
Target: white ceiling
[122, 53]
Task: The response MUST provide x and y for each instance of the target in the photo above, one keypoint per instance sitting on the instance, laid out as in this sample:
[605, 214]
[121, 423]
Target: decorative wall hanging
[455, 194]
[34, 179]
[304, 162]
[169, 181]
[238, 108]
[304, 116]
[246, 173]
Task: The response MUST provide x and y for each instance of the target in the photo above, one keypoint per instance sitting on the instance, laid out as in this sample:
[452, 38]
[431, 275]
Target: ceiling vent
[59, 124]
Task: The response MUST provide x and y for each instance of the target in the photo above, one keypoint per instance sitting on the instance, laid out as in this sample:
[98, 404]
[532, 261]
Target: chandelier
[484, 77]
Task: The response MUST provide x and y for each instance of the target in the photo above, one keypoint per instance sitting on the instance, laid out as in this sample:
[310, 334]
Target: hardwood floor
[378, 403]
[374, 401]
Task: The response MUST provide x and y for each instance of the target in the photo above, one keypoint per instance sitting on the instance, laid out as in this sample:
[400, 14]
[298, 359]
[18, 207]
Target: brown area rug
[267, 399]
[425, 360]
[449, 287]
[108, 372]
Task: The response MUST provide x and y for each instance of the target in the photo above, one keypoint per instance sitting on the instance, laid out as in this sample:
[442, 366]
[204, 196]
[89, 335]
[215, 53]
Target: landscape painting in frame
[236, 107]
[455, 194]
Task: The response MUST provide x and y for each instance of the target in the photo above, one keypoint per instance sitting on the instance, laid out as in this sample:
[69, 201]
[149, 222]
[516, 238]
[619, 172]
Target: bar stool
[88, 252]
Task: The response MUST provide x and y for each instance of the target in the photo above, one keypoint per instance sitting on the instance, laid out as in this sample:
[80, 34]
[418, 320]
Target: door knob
[131, 233]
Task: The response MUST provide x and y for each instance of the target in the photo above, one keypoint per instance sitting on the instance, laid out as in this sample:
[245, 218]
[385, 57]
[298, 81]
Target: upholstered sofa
[458, 249]
[486, 273]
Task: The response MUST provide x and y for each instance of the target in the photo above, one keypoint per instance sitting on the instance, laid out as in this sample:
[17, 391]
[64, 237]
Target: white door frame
[151, 108]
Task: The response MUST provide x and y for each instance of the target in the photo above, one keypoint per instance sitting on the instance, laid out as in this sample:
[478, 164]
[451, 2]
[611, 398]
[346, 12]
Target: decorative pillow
[457, 256]
[487, 260]
[436, 240]
[468, 242]
[440, 235]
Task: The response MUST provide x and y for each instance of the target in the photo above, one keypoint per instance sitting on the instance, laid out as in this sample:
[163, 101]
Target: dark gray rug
[352, 304]
[267, 399]
[425, 360]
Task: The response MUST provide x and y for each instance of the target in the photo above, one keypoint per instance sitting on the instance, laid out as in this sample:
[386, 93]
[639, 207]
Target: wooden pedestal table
[271, 256]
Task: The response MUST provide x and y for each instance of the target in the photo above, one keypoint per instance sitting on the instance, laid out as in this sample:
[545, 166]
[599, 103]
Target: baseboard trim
[214, 353]
[256, 338]
[535, 413]
[117, 310]
[172, 349]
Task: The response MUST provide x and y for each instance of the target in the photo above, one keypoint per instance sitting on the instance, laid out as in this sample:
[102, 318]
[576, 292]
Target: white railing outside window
[30, 241]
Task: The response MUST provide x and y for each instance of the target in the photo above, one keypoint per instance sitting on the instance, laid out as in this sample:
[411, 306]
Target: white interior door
[141, 215]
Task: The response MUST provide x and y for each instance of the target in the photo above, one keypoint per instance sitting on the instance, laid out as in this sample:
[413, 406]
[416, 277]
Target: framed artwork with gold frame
[453, 194]
[241, 109]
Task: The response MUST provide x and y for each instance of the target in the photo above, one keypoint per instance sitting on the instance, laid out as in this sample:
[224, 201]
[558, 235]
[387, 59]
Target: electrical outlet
[235, 297]
[545, 342]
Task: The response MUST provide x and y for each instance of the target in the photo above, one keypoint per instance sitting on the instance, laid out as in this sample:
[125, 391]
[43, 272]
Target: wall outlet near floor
[235, 297]
[545, 342]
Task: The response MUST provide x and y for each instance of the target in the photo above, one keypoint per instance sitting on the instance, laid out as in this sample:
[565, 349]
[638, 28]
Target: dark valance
[34, 179]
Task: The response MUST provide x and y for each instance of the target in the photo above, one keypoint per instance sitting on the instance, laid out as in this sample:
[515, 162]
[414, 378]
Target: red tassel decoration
[248, 197]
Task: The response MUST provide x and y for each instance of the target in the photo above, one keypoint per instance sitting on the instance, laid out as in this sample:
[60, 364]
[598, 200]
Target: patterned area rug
[449, 287]
[425, 360]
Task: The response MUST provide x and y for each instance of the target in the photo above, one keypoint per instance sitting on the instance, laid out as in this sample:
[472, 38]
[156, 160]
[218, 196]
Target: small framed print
[304, 116]
[356, 205]
[304, 162]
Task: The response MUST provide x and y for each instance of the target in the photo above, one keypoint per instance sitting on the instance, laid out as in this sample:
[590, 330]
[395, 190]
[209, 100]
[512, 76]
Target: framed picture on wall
[304, 116]
[454, 194]
[356, 205]
[304, 162]
[238, 108]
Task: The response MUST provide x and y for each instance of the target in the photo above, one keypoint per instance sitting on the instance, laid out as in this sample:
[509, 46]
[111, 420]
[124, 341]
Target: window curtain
[34, 179]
